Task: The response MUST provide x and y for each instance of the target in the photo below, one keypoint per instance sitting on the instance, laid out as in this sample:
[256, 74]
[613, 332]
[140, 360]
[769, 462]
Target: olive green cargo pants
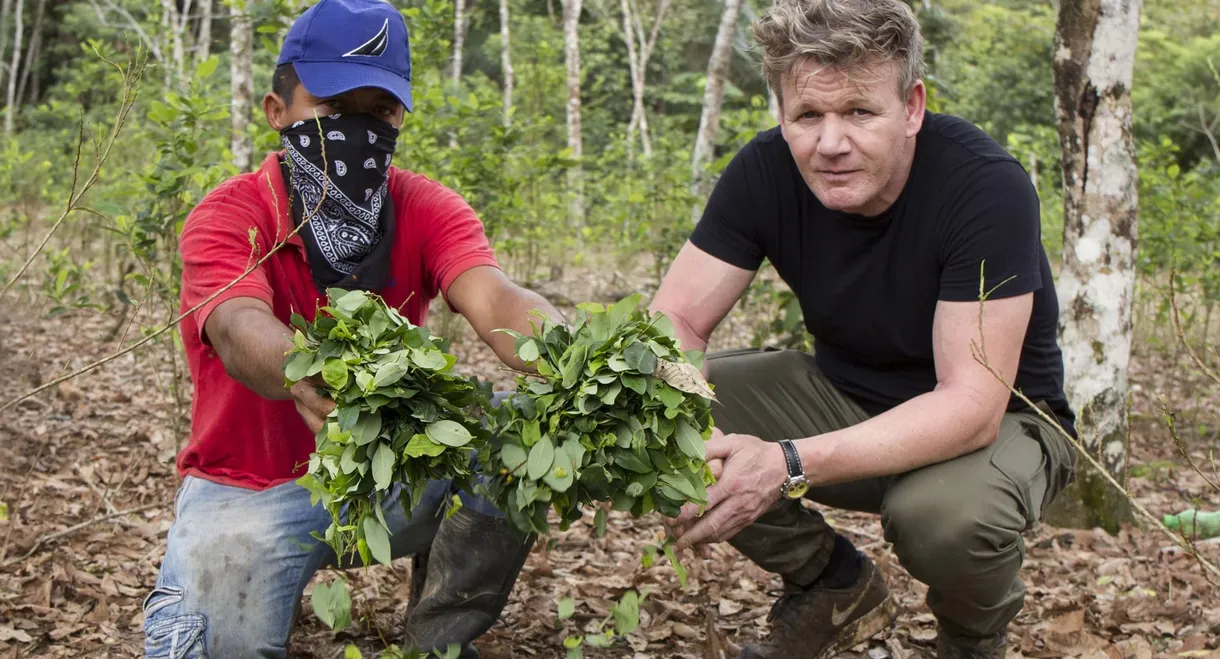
[955, 526]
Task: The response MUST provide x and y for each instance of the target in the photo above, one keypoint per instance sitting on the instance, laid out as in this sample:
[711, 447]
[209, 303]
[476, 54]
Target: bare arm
[697, 293]
[489, 300]
[962, 414]
[251, 343]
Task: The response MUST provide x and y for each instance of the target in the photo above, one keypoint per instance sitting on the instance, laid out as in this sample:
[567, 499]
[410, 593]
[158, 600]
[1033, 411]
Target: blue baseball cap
[339, 45]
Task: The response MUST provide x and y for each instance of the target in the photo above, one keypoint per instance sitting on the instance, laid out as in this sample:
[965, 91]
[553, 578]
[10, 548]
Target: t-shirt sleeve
[992, 233]
[729, 226]
[455, 240]
[216, 250]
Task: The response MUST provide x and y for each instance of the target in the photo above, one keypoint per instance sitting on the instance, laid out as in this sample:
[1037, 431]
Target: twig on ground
[103, 497]
[979, 354]
[16, 505]
[51, 537]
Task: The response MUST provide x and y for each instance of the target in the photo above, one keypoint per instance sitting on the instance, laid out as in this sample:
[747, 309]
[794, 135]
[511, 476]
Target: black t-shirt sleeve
[992, 230]
[732, 222]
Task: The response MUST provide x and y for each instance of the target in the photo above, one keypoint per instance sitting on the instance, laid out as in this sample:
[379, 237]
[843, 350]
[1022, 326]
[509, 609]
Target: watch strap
[792, 458]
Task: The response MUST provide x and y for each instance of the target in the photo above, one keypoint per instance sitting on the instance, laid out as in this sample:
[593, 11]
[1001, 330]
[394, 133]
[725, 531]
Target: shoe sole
[863, 628]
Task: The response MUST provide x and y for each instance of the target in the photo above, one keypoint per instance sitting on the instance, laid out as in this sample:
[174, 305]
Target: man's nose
[834, 140]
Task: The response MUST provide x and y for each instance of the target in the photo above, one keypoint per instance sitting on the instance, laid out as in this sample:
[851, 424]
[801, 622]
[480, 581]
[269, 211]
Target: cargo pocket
[171, 635]
[1019, 455]
[1060, 453]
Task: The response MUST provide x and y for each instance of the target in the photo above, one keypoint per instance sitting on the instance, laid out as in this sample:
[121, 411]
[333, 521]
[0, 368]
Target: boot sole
[863, 628]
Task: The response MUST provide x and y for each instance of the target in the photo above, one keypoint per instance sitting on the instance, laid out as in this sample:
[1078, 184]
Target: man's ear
[916, 104]
[274, 108]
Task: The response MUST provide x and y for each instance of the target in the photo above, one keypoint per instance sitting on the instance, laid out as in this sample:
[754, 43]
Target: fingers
[717, 467]
[713, 527]
[720, 448]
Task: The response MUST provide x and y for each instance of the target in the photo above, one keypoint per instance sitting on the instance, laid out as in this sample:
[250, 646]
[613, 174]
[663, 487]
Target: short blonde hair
[840, 34]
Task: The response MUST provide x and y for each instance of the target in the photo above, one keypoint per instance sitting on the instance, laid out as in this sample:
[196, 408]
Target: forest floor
[73, 573]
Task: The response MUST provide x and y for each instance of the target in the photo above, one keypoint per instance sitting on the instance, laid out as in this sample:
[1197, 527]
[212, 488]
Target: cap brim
[324, 79]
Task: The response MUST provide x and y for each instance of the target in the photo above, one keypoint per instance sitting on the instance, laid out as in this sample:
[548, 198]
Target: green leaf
[351, 301]
[206, 68]
[560, 475]
[673, 560]
[352, 652]
[391, 371]
[529, 351]
[627, 613]
[366, 429]
[542, 456]
[420, 446]
[332, 604]
[513, 456]
[449, 433]
[297, 368]
[575, 365]
[378, 540]
[636, 383]
[383, 466]
[431, 359]
[599, 522]
[690, 441]
[566, 607]
[334, 372]
[455, 504]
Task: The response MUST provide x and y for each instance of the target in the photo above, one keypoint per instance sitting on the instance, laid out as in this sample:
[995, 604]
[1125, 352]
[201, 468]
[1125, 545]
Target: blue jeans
[238, 560]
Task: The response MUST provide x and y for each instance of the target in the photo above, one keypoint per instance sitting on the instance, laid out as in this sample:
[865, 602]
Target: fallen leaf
[9, 634]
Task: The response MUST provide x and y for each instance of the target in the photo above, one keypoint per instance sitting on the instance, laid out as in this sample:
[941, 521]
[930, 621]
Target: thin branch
[131, 21]
[20, 498]
[131, 79]
[51, 537]
[1177, 324]
[981, 357]
[176, 321]
[1171, 423]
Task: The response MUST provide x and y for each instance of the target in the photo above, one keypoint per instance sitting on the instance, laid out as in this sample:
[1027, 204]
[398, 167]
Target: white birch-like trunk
[204, 48]
[33, 52]
[459, 39]
[241, 73]
[713, 97]
[175, 21]
[633, 32]
[14, 66]
[571, 39]
[6, 8]
[1095, 44]
[506, 62]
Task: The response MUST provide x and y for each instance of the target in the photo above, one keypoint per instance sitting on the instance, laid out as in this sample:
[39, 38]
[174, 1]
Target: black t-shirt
[868, 287]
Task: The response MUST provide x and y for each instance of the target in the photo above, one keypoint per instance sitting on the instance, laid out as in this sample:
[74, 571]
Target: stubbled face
[852, 136]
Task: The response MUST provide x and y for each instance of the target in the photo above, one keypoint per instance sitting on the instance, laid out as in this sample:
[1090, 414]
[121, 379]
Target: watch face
[796, 490]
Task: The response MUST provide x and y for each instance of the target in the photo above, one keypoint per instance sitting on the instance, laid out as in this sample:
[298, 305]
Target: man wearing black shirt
[887, 221]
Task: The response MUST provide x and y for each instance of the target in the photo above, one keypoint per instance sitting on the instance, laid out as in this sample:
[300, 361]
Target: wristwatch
[796, 484]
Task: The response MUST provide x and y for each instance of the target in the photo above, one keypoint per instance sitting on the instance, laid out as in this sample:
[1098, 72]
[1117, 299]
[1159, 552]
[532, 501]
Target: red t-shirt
[238, 437]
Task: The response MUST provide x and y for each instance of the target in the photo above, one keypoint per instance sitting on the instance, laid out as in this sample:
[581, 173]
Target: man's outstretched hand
[751, 472]
[312, 407]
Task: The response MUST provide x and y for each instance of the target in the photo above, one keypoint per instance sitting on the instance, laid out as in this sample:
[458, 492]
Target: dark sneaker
[954, 647]
[821, 622]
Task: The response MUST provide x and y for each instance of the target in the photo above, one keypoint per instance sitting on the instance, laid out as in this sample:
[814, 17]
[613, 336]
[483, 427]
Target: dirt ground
[87, 478]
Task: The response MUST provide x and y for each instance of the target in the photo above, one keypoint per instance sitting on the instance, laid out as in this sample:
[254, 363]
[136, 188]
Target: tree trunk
[205, 31]
[32, 54]
[571, 38]
[713, 96]
[506, 62]
[633, 30]
[459, 39]
[6, 8]
[241, 73]
[1095, 43]
[14, 65]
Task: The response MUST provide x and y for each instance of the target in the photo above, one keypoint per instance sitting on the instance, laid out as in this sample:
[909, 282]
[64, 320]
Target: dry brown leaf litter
[105, 444]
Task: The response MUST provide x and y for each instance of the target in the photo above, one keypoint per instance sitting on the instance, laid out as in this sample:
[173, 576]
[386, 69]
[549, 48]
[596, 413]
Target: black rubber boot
[460, 587]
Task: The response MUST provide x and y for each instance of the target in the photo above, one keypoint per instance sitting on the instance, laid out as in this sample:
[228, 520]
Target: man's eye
[810, 114]
[861, 112]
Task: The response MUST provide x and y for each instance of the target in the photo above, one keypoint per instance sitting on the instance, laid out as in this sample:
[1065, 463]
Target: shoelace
[785, 596]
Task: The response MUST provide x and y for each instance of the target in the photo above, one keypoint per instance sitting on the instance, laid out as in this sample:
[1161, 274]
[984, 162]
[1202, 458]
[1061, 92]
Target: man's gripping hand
[311, 405]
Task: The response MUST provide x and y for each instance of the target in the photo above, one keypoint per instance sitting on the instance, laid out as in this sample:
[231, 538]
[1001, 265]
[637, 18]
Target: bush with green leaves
[401, 416]
[616, 412]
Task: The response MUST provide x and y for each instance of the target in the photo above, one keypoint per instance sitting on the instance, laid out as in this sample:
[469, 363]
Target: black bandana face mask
[337, 168]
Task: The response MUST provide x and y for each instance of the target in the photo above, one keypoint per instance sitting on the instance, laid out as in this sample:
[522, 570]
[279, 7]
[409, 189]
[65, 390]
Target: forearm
[927, 429]
[252, 347]
[515, 311]
[688, 338]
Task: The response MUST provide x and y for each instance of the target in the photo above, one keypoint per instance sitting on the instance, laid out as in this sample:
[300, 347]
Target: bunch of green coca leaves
[401, 416]
[617, 412]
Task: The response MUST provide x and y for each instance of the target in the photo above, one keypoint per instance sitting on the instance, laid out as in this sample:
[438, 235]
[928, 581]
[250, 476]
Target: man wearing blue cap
[240, 551]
